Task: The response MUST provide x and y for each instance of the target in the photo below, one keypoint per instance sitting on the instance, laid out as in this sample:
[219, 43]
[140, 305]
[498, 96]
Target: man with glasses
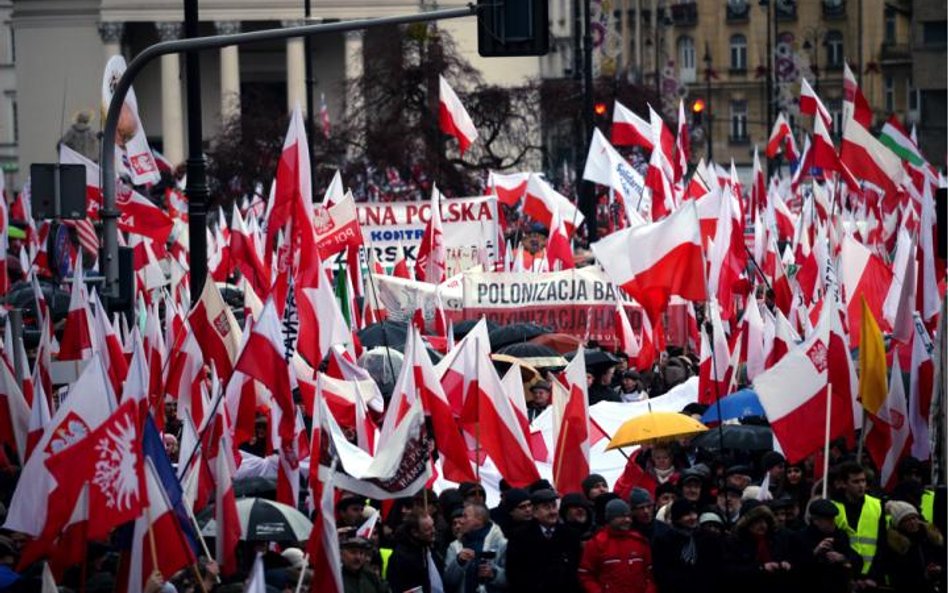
[543, 556]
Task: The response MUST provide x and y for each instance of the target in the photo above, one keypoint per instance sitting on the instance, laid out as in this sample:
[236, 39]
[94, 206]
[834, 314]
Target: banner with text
[579, 302]
[470, 224]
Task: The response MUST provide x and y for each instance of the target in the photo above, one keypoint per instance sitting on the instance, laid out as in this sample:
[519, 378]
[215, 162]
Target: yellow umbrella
[655, 427]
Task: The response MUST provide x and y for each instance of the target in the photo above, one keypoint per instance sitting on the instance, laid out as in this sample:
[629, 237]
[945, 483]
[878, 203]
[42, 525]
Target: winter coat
[680, 560]
[455, 573]
[616, 561]
[408, 565]
[814, 572]
[539, 564]
[742, 569]
[362, 582]
[907, 559]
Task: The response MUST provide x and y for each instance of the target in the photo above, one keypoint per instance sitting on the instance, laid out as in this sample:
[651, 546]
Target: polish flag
[109, 347]
[215, 329]
[155, 354]
[14, 412]
[431, 263]
[783, 293]
[863, 274]
[140, 215]
[785, 338]
[453, 118]
[291, 196]
[264, 359]
[682, 143]
[571, 428]
[604, 165]
[628, 129]
[793, 394]
[782, 133]
[75, 418]
[542, 200]
[323, 545]
[810, 104]
[244, 249]
[68, 156]
[513, 388]
[889, 437]
[654, 261]
[501, 436]
[899, 305]
[927, 292]
[77, 335]
[855, 105]
[921, 390]
[665, 142]
[752, 339]
[558, 248]
[321, 323]
[758, 193]
[185, 379]
[658, 188]
[39, 420]
[509, 187]
[714, 362]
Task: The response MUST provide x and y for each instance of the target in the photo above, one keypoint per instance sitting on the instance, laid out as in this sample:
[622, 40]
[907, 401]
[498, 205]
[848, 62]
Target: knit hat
[544, 495]
[823, 508]
[617, 508]
[591, 481]
[574, 500]
[899, 511]
[514, 497]
[710, 517]
[772, 459]
[639, 497]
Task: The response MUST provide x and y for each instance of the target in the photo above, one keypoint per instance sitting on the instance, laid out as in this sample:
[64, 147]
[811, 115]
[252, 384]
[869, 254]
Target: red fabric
[618, 562]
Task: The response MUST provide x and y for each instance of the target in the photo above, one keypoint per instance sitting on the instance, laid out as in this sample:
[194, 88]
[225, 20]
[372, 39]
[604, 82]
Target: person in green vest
[862, 518]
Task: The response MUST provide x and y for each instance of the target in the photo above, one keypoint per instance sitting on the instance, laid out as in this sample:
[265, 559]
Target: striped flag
[896, 139]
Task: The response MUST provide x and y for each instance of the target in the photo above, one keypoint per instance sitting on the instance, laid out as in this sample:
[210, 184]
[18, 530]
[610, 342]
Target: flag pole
[477, 402]
[826, 440]
[299, 581]
[151, 539]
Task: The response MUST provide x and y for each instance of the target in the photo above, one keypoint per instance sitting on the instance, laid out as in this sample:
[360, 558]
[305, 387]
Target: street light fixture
[707, 94]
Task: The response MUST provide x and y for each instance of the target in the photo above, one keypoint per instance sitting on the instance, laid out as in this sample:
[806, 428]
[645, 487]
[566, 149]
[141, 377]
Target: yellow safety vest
[928, 505]
[864, 539]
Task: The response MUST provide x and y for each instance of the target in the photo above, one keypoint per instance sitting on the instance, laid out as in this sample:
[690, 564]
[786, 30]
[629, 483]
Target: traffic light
[600, 109]
[513, 28]
[697, 111]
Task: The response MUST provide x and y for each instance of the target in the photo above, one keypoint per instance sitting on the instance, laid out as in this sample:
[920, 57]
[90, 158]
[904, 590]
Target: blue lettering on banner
[396, 235]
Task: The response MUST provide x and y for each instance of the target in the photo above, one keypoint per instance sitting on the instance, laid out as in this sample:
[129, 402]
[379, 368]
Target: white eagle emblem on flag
[819, 356]
[116, 475]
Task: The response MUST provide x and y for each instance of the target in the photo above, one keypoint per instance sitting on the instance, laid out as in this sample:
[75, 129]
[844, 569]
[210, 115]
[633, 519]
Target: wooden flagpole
[299, 581]
[826, 443]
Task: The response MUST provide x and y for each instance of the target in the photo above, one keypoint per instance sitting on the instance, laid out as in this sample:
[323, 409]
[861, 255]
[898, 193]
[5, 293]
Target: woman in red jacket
[618, 559]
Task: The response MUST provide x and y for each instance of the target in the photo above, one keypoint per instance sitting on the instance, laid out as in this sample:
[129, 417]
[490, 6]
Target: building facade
[62, 46]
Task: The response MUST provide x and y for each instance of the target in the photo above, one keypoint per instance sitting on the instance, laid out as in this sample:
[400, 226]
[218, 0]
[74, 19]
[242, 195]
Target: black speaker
[941, 222]
[513, 28]
[58, 191]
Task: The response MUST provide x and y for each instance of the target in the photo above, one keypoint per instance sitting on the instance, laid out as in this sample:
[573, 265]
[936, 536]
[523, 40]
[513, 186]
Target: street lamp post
[707, 92]
[770, 7]
[196, 188]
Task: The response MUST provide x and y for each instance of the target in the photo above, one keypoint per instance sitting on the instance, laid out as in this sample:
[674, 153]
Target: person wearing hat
[355, 553]
[413, 557]
[478, 558]
[914, 559]
[675, 552]
[543, 555]
[576, 512]
[349, 511]
[618, 558]
[774, 464]
[514, 512]
[594, 485]
[541, 394]
[822, 558]
[691, 485]
[472, 492]
[643, 514]
[632, 387]
[756, 556]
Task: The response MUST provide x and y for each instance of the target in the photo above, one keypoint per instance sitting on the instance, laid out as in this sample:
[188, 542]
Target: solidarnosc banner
[579, 302]
[470, 224]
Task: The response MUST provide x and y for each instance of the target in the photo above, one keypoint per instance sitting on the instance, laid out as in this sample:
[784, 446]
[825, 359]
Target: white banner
[470, 224]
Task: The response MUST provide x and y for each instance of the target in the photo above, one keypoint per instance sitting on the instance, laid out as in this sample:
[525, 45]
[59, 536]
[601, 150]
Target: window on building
[888, 92]
[834, 49]
[738, 120]
[889, 29]
[738, 53]
[935, 33]
[686, 59]
[912, 95]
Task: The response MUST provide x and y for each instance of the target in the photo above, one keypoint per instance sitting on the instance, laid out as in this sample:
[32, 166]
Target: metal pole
[310, 107]
[587, 197]
[109, 213]
[708, 110]
[771, 11]
[196, 189]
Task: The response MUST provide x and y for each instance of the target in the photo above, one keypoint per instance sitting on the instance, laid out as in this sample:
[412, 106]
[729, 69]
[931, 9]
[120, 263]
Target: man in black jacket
[413, 562]
[543, 556]
[821, 556]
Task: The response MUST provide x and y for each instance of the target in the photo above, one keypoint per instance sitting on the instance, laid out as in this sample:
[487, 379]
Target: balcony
[685, 14]
[895, 53]
[737, 12]
[786, 10]
[739, 140]
[834, 9]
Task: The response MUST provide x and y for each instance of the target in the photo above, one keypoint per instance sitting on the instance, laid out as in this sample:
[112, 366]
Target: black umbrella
[463, 327]
[595, 357]
[536, 355]
[744, 437]
[386, 333]
[258, 487]
[264, 521]
[516, 332]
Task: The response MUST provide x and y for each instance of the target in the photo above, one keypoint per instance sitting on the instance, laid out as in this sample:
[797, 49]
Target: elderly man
[355, 553]
[478, 556]
[543, 556]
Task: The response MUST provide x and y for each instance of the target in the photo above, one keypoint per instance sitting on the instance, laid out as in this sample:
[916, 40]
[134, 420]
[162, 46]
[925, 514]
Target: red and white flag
[323, 545]
[77, 343]
[142, 166]
[453, 117]
[868, 159]
[628, 343]
[921, 391]
[889, 438]
[508, 187]
[781, 138]
[604, 165]
[14, 411]
[863, 274]
[542, 200]
[322, 324]
[714, 362]
[571, 428]
[215, 329]
[810, 104]
[654, 261]
[855, 105]
[291, 198]
[432, 260]
[628, 129]
[558, 249]
[249, 260]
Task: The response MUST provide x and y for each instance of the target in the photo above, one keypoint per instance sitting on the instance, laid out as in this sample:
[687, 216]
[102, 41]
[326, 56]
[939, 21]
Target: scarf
[763, 549]
[474, 540]
[662, 475]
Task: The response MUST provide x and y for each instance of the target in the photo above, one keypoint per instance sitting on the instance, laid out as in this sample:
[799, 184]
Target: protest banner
[470, 224]
[579, 302]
